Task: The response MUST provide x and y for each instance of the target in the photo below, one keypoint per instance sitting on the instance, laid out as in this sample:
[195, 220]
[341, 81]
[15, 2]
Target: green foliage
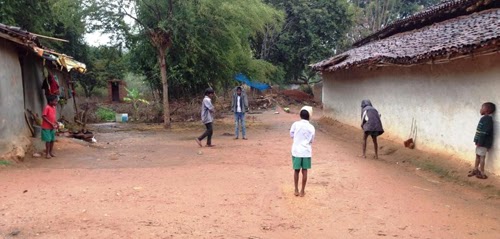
[371, 16]
[138, 82]
[210, 44]
[312, 30]
[103, 63]
[135, 97]
[105, 114]
[61, 19]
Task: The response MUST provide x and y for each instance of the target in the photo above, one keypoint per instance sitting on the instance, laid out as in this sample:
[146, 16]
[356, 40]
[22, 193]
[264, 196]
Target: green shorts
[299, 163]
[48, 135]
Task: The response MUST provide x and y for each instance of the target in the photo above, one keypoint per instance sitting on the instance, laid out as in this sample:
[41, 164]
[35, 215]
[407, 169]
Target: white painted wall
[443, 99]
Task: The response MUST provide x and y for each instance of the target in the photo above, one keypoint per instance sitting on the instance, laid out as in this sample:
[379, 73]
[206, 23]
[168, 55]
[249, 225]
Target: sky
[97, 38]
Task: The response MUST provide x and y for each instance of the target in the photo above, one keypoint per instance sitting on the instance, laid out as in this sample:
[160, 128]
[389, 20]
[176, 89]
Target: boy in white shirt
[302, 133]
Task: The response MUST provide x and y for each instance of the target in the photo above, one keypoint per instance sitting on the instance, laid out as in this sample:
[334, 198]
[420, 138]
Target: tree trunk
[163, 69]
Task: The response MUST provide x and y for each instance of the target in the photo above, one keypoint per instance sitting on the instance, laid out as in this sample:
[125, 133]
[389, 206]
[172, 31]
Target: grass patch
[105, 114]
[4, 162]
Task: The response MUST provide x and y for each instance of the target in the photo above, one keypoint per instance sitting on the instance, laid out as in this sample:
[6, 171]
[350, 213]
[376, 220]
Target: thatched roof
[450, 37]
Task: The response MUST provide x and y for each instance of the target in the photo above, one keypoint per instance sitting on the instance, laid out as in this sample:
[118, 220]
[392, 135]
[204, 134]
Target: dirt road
[155, 183]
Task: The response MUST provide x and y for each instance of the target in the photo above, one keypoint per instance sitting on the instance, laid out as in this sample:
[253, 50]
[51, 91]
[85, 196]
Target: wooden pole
[51, 38]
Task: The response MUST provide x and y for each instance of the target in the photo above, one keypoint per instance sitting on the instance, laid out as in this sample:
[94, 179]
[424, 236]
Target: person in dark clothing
[207, 117]
[371, 125]
[483, 139]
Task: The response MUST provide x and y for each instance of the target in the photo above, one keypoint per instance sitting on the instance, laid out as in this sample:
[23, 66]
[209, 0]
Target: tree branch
[170, 9]
[153, 10]
[135, 18]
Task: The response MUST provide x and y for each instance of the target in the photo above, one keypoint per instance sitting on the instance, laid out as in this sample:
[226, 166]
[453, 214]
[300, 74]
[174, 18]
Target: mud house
[24, 66]
[433, 69]
[116, 90]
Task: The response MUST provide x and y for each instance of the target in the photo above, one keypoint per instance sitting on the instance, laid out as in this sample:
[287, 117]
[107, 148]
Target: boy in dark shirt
[483, 139]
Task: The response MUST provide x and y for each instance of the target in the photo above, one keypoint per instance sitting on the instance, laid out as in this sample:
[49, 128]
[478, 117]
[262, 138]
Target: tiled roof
[445, 10]
[474, 33]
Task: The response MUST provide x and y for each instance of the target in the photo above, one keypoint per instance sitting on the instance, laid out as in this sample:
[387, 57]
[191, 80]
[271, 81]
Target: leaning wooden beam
[51, 38]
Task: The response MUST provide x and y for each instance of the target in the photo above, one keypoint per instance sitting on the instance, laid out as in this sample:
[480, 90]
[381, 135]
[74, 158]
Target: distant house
[434, 68]
[24, 64]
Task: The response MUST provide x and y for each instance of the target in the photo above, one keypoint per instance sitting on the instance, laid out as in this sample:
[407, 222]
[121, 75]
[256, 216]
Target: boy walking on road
[207, 117]
[239, 105]
[483, 139]
[49, 125]
[302, 133]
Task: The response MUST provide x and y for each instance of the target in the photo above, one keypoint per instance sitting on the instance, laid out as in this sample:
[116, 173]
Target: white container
[121, 117]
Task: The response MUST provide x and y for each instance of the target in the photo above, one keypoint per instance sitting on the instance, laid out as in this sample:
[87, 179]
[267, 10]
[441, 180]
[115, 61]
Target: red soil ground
[146, 182]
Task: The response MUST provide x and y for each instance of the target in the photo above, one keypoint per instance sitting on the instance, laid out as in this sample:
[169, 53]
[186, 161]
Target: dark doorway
[115, 91]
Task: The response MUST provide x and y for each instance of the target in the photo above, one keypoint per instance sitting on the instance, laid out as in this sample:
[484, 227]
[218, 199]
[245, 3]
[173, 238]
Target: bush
[105, 114]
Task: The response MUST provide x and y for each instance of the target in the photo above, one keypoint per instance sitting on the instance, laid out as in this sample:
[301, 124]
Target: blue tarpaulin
[254, 84]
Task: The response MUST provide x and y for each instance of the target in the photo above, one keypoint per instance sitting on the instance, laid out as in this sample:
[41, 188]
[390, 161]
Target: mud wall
[13, 128]
[443, 100]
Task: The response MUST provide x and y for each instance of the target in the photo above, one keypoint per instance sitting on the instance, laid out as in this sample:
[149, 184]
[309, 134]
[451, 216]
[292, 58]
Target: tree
[208, 42]
[373, 15]
[312, 30]
[104, 63]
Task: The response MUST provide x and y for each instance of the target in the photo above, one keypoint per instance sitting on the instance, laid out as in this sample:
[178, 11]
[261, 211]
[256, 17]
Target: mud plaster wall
[443, 99]
[34, 98]
[21, 82]
[33, 78]
[12, 124]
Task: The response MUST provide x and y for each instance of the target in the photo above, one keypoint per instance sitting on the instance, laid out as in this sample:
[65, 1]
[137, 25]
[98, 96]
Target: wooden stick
[51, 38]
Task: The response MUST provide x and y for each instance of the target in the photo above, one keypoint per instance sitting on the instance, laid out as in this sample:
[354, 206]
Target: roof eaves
[437, 13]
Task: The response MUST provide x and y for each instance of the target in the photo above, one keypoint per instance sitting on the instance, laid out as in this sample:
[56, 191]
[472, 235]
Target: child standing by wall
[302, 133]
[207, 117]
[371, 125]
[483, 139]
[49, 125]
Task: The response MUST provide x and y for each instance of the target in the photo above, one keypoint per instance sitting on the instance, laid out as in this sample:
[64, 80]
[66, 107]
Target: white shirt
[302, 133]
[238, 104]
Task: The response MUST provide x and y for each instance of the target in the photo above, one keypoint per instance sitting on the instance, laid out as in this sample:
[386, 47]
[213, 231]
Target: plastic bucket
[121, 117]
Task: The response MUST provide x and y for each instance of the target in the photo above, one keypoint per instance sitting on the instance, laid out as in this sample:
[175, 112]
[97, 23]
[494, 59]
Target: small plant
[105, 114]
[4, 162]
[135, 97]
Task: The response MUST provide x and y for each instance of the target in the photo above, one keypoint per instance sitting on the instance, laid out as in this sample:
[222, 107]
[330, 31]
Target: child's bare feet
[47, 156]
[302, 193]
[52, 155]
[296, 193]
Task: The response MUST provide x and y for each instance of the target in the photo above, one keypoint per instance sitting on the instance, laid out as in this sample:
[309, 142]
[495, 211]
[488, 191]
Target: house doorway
[115, 91]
